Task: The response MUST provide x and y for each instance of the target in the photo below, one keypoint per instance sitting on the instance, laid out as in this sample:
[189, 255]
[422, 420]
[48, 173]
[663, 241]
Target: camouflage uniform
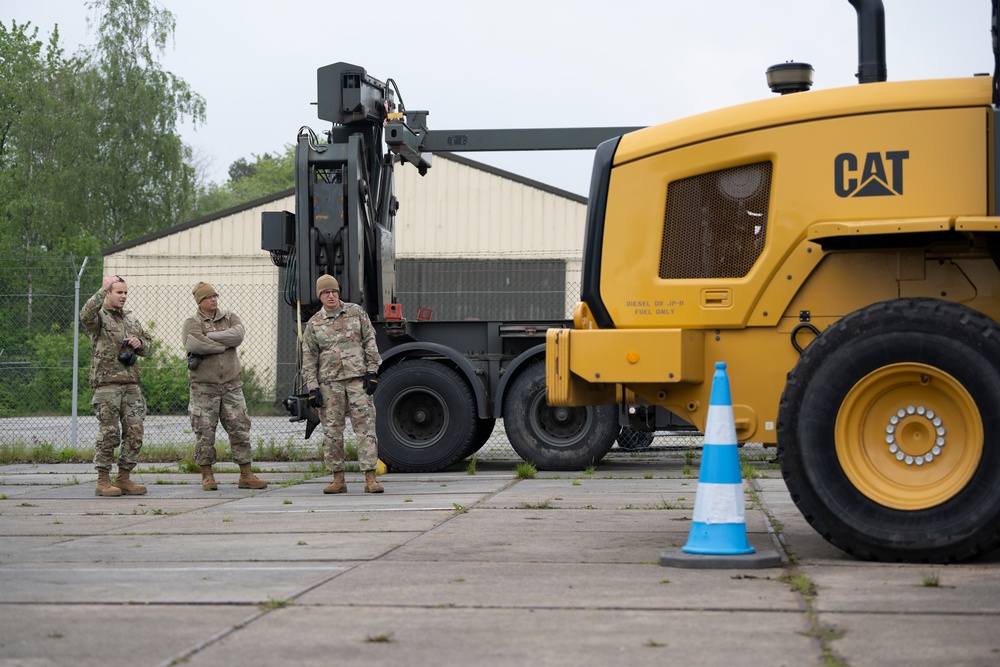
[338, 348]
[118, 401]
[216, 387]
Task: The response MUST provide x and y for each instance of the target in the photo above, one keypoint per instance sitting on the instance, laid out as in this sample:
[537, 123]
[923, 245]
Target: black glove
[371, 382]
[127, 356]
[315, 398]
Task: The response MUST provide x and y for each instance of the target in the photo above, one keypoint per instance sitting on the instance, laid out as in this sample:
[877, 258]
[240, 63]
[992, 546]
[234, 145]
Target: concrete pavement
[452, 569]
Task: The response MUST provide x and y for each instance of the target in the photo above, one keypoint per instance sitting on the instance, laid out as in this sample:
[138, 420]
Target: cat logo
[872, 180]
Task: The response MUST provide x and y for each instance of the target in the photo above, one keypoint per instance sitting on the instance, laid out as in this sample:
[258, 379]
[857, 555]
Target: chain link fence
[39, 340]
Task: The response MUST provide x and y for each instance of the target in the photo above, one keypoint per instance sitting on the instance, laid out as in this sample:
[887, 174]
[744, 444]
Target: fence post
[76, 350]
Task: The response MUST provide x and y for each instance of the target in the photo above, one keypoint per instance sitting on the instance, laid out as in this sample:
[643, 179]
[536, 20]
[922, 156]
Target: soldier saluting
[117, 339]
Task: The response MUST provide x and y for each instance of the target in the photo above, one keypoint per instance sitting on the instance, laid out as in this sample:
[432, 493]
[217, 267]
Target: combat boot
[248, 480]
[104, 485]
[208, 482]
[128, 488]
[371, 484]
[338, 485]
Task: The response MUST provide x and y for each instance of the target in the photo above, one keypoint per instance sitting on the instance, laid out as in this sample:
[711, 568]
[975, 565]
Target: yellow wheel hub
[909, 436]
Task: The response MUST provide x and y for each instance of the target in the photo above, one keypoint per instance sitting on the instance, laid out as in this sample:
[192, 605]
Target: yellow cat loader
[839, 249]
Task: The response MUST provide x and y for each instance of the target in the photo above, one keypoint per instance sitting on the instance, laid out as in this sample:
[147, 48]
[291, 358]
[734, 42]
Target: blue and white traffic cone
[719, 524]
[718, 536]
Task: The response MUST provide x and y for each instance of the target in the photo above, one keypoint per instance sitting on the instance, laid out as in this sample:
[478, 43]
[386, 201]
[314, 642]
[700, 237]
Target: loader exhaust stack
[871, 40]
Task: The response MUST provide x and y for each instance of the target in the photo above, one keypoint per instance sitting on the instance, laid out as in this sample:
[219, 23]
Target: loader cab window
[716, 223]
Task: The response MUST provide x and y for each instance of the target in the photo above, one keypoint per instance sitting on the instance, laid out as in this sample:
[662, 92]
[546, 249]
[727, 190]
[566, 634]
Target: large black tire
[555, 438]
[634, 440]
[889, 432]
[425, 416]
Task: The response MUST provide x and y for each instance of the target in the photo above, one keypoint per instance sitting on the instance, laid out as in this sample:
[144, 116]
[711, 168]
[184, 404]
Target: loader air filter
[716, 223]
[790, 77]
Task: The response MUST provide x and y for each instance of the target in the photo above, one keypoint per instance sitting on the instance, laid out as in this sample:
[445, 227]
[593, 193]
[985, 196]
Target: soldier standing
[340, 363]
[211, 337]
[117, 338]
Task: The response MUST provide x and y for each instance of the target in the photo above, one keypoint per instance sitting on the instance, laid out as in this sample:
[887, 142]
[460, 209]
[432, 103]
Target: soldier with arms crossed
[211, 337]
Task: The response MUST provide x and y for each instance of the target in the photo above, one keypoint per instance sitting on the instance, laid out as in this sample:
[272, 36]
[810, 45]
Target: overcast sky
[520, 63]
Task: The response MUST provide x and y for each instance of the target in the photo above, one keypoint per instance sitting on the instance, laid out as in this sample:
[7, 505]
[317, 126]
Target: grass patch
[930, 580]
[179, 453]
[316, 469]
[823, 634]
[525, 470]
[22, 452]
[801, 584]
[543, 505]
[470, 467]
[273, 450]
[273, 604]
[689, 456]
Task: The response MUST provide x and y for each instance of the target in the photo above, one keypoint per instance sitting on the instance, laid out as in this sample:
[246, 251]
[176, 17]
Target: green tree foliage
[41, 381]
[265, 176]
[51, 387]
[164, 382]
[90, 155]
[140, 179]
[42, 119]
[241, 169]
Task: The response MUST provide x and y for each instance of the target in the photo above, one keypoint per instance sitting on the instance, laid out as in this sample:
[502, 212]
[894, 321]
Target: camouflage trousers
[211, 403]
[120, 409]
[341, 398]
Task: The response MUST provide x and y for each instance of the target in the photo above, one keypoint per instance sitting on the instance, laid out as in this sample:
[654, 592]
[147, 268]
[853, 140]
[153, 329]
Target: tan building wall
[459, 209]
[225, 252]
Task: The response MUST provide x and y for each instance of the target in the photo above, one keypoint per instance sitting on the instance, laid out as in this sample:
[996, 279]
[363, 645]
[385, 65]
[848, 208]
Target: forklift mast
[345, 203]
